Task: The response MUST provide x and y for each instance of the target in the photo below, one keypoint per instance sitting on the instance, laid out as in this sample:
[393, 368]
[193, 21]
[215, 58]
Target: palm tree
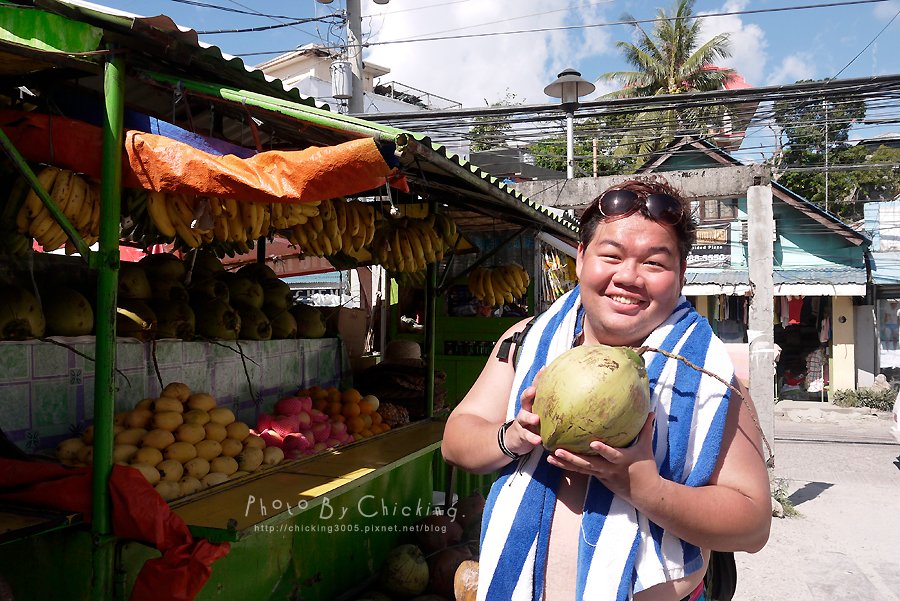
[670, 60]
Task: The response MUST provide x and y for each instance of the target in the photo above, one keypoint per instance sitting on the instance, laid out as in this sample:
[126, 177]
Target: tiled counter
[47, 390]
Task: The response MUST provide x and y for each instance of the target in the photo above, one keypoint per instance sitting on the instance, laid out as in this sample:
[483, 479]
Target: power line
[872, 41]
[596, 25]
[325, 18]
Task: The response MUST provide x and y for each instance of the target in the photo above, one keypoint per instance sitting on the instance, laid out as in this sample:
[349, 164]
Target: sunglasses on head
[659, 207]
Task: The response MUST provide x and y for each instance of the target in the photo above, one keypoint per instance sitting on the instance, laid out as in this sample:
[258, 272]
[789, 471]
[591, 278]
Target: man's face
[631, 276]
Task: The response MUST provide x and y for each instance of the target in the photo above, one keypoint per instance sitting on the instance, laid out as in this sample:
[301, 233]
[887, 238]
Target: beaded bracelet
[501, 442]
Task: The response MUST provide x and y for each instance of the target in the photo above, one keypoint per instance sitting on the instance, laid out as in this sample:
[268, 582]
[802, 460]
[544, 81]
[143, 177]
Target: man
[629, 521]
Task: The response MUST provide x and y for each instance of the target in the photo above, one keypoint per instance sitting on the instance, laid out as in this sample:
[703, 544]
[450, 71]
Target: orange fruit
[320, 404]
[334, 394]
[334, 408]
[355, 425]
[376, 418]
[369, 403]
[338, 418]
[367, 433]
[351, 395]
[367, 420]
[350, 409]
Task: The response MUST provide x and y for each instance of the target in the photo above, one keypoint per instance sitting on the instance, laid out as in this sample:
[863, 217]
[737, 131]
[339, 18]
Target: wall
[843, 374]
[47, 390]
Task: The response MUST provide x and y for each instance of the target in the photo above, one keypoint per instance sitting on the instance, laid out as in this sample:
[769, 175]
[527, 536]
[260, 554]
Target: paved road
[841, 471]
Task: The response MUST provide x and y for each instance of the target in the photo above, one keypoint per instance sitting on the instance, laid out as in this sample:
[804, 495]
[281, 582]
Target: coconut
[244, 291]
[442, 568]
[202, 262]
[67, 312]
[174, 319]
[276, 293]
[169, 290]
[163, 266]
[283, 323]
[310, 321]
[208, 288]
[254, 324]
[405, 571]
[257, 271]
[21, 316]
[592, 392]
[133, 282]
[217, 319]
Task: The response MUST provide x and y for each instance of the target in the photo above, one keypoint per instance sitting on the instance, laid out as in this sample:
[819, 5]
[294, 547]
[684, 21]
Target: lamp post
[569, 87]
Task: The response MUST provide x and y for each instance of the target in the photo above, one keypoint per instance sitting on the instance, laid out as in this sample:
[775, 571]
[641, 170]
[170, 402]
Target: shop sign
[888, 320]
[712, 248]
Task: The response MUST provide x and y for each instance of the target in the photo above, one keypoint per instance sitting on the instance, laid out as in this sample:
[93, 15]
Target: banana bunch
[79, 201]
[197, 220]
[445, 227]
[407, 245]
[498, 285]
[339, 226]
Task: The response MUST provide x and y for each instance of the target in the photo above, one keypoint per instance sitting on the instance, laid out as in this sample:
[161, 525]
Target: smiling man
[636, 522]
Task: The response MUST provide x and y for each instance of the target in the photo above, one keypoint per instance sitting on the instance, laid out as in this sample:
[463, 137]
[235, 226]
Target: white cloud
[747, 42]
[886, 10]
[475, 70]
[793, 68]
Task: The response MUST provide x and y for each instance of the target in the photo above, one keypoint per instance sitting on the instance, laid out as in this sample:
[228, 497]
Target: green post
[107, 264]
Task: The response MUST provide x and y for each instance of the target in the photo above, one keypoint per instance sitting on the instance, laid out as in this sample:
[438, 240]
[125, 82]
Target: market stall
[165, 140]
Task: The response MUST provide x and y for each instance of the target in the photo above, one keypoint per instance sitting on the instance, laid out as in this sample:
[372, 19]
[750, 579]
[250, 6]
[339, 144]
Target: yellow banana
[94, 222]
[215, 205]
[62, 189]
[414, 237]
[159, 213]
[326, 210]
[76, 199]
[220, 227]
[354, 219]
[489, 295]
[473, 283]
[33, 202]
[340, 215]
[83, 220]
[324, 243]
[187, 235]
[425, 241]
[230, 207]
[299, 233]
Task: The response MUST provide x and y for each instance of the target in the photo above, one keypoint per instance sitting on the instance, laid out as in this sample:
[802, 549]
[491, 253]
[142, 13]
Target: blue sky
[767, 48]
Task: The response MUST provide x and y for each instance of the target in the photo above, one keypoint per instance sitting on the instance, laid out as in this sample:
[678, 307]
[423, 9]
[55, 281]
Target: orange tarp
[158, 163]
[166, 165]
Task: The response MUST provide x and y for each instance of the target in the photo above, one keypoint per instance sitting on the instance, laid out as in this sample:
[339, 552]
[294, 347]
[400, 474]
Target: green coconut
[593, 392]
[202, 263]
[67, 312]
[257, 271]
[133, 282]
[254, 324]
[163, 266]
[217, 319]
[21, 316]
[174, 319]
[277, 292]
[206, 289]
[283, 323]
[310, 321]
[169, 289]
[244, 291]
[405, 571]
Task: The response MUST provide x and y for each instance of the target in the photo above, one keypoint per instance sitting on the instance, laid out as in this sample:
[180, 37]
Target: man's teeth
[624, 300]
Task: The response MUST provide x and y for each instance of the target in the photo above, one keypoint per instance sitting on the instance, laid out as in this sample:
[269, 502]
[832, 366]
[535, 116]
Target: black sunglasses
[659, 207]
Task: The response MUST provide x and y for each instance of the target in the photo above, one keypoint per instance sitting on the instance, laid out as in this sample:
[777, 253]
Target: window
[714, 209]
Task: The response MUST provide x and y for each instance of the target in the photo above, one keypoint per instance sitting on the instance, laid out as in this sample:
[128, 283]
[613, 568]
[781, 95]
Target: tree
[669, 60]
[550, 153]
[852, 174]
[492, 131]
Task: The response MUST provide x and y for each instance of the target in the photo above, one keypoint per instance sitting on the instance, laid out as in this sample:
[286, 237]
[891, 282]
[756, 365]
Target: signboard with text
[712, 248]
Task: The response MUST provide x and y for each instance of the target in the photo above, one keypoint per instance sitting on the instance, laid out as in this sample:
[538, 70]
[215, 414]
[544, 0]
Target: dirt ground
[841, 471]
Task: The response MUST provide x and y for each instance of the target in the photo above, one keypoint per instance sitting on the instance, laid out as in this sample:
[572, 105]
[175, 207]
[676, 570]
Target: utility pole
[354, 55]
[761, 225]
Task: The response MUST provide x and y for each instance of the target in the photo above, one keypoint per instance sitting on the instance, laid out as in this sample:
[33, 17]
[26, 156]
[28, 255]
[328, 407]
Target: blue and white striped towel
[620, 551]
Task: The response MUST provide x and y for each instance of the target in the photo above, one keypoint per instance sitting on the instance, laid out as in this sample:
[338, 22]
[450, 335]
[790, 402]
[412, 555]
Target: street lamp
[569, 87]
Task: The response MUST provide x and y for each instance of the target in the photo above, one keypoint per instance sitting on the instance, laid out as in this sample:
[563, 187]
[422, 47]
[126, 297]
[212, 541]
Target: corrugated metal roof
[158, 45]
[827, 275]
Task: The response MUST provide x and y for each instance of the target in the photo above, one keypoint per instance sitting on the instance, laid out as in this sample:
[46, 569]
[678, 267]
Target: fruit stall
[174, 428]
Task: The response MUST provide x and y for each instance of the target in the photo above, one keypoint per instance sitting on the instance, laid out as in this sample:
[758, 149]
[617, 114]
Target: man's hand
[629, 472]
